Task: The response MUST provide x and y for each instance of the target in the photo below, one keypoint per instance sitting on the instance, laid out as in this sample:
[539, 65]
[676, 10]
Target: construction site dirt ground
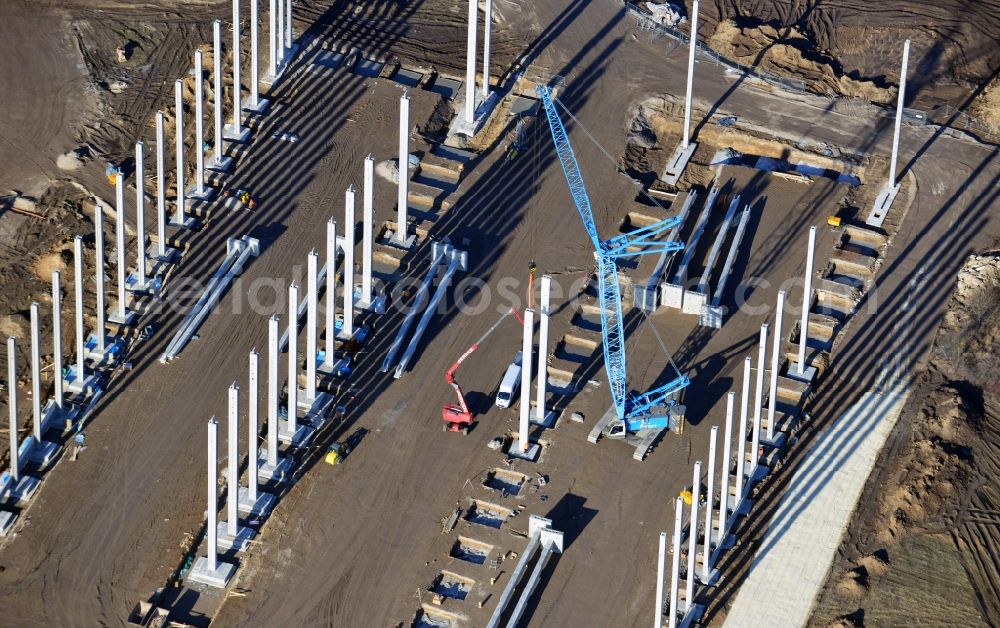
[357, 543]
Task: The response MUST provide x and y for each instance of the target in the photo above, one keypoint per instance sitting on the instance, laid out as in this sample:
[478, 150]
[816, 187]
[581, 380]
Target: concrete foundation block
[807, 375]
[694, 301]
[24, 489]
[259, 508]
[301, 437]
[219, 165]
[672, 296]
[277, 474]
[238, 543]
[530, 454]
[678, 162]
[883, 202]
[218, 578]
[44, 453]
[230, 134]
[7, 520]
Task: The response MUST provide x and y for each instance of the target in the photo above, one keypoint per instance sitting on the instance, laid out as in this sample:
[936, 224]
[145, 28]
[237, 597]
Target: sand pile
[790, 53]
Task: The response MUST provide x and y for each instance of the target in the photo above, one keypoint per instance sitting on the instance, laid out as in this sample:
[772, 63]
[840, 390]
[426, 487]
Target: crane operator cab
[670, 417]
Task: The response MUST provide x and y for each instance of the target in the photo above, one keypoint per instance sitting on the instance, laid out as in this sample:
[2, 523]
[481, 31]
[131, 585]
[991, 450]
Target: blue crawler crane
[635, 411]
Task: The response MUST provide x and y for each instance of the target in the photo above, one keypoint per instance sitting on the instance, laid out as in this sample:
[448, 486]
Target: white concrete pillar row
[692, 50]
[772, 393]
[347, 330]
[293, 357]
[312, 298]
[15, 460]
[893, 179]
[741, 434]
[727, 461]
[253, 426]
[78, 291]
[161, 190]
[140, 214]
[806, 299]
[543, 349]
[487, 35]
[101, 332]
[675, 562]
[706, 558]
[180, 208]
[758, 396]
[692, 536]
[272, 391]
[233, 462]
[331, 293]
[526, 347]
[470, 63]
[403, 189]
[660, 566]
[120, 245]
[199, 124]
[368, 227]
[36, 375]
[57, 357]
[212, 532]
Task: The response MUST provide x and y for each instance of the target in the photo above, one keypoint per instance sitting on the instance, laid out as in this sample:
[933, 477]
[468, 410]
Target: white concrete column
[272, 391]
[402, 198]
[233, 462]
[199, 124]
[57, 357]
[758, 395]
[487, 35]
[15, 461]
[253, 427]
[347, 331]
[675, 562]
[772, 394]
[217, 84]
[99, 276]
[368, 227]
[807, 299]
[893, 179]
[140, 213]
[727, 457]
[690, 75]
[161, 191]
[741, 435]
[237, 88]
[289, 25]
[470, 63]
[272, 40]
[212, 549]
[293, 357]
[180, 209]
[78, 290]
[660, 566]
[254, 51]
[543, 349]
[526, 346]
[693, 536]
[120, 244]
[279, 34]
[706, 558]
[36, 375]
[312, 299]
[331, 293]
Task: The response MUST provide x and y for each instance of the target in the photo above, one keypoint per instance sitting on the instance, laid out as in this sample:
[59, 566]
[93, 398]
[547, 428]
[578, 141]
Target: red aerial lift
[457, 416]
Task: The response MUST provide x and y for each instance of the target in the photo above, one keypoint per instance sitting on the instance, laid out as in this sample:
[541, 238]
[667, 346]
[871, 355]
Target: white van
[510, 383]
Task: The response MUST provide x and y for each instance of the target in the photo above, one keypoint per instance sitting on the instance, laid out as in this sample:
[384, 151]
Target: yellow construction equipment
[337, 452]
